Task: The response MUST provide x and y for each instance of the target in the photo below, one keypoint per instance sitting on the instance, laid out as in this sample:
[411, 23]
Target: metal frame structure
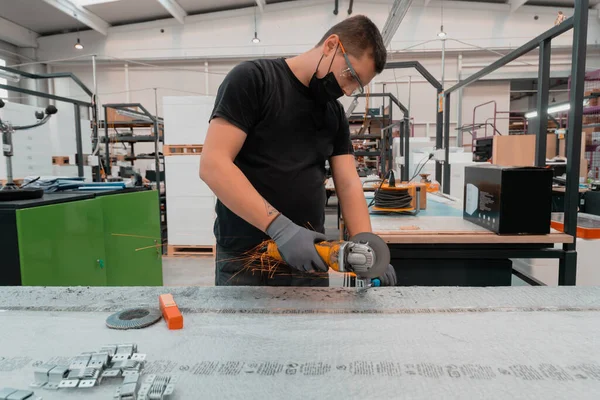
[145, 113]
[76, 104]
[578, 23]
[387, 163]
[439, 114]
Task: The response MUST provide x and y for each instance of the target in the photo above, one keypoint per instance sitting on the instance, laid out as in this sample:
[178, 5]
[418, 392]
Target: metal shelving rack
[145, 120]
[385, 137]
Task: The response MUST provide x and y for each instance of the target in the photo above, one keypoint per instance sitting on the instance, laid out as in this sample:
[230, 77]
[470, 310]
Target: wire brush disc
[134, 318]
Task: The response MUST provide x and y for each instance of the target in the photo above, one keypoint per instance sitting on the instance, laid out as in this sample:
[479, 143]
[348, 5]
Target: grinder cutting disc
[134, 318]
[381, 251]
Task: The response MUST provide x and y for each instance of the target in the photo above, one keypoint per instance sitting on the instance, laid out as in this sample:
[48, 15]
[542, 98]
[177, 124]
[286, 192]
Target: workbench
[322, 343]
[439, 247]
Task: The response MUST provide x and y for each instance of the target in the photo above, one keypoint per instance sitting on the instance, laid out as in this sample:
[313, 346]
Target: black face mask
[325, 89]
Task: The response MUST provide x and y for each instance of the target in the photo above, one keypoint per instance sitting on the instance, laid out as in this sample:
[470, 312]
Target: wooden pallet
[17, 181]
[60, 160]
[182, 149]
[174, 250]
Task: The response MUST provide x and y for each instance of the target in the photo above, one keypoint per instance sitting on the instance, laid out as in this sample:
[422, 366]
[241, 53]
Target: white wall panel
[187, 118]
[190, 202]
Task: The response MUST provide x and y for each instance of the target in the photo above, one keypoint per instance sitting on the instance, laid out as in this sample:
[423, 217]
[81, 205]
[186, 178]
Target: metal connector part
[99, 360]
[15, 394]
[127, 390]
[110, 349]
[88, 383]
[124, 351]
[157, 387]
[81, 361]
[55, 376]
[68, 383]
[139, 357]
[40, 375]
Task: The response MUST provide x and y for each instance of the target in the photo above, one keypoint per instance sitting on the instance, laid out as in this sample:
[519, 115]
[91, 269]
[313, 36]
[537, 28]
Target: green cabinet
[62, 245]
[82, 239]
[132, 239]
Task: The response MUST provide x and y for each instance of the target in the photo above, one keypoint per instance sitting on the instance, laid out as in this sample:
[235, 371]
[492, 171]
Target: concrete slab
[305, 343]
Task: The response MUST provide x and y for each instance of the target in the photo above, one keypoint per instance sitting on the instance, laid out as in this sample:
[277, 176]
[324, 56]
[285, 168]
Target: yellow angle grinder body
[365, 255]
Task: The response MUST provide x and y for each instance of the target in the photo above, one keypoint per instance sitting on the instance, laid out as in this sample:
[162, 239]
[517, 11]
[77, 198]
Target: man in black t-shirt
[274, 124]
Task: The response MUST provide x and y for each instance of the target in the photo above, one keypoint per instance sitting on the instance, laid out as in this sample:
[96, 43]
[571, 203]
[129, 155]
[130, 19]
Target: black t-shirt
[289, 138]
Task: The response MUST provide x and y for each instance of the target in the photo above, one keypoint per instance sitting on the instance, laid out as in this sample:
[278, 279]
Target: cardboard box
[509, 200]
[112, 115]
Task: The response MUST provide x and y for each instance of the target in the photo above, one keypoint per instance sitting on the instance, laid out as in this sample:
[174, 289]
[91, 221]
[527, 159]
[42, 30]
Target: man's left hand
[389, 277]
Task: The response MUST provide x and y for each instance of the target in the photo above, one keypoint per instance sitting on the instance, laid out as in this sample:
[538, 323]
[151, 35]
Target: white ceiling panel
[129, 11]
[206, 6]
[38, 16]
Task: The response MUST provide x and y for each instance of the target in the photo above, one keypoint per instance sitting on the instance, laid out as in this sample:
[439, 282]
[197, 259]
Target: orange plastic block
[170, 311]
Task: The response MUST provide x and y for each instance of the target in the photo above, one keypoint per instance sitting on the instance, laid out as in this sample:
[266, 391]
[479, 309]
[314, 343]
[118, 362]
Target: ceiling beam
[261, 4]
[173, 7]
[397, 13]
[81, 14]
[516, 4]
[16, 34]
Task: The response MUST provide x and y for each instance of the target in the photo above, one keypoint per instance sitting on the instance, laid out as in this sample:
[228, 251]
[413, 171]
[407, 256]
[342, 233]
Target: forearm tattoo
[270, 209]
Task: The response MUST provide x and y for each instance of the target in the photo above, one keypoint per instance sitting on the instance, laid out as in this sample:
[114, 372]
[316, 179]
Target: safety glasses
[351, 73]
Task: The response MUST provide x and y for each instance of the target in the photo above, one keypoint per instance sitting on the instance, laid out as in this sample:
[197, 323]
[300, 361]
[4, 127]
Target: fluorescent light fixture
[78, 45]
[10, 76]
[551, 110]
[134, 115]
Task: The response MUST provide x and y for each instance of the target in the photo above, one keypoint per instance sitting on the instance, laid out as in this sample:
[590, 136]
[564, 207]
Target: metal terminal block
[128, 388]
[362, 285]
[81, 361]
[98, 360]
[90, 375]
[127, 364]
[87, 383]
[125, 351]
[68, 383]
[23, 395]
[110, 349]
[130, 372]
[157, 387]
[111, 373]
[40, 375]
[84, 373]
[139, 357]
[55, 377]
[14, 394]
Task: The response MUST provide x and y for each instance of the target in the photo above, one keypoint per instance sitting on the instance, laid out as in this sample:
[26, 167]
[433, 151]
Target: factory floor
[200, 271]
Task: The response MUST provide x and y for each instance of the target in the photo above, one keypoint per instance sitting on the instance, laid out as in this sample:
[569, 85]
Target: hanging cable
[419, 169]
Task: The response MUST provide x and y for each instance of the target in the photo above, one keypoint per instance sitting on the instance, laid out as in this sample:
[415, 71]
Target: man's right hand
[297, 245]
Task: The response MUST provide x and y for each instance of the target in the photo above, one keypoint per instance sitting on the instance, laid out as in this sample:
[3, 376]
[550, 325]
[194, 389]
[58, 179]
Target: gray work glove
[297, 245]
[389, 277]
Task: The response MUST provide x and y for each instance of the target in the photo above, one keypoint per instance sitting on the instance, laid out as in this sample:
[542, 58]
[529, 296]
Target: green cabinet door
[132, 239]
[62, 244]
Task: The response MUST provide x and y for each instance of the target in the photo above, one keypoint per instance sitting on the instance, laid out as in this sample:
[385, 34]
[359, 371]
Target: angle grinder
[365, 255]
